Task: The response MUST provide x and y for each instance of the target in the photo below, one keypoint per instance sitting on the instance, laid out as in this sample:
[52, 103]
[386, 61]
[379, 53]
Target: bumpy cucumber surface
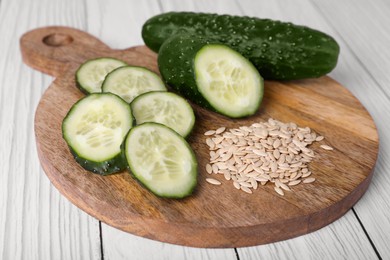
[130, 81]
[165, 108]
[91, 74]
[161, 160]
[212, 75]
[95, 128]
[278, 50]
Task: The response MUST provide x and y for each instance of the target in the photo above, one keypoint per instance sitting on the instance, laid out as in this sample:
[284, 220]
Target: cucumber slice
[228, 81]
[165, 108]
[90, 75]
[130, 81]
[94, 130]
[161, 160]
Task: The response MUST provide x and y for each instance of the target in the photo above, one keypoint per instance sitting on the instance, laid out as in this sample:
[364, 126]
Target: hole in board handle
[57, 39]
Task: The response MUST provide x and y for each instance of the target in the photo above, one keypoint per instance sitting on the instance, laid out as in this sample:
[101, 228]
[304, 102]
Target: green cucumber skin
[176, 65]
[113, 165]
[279, 50]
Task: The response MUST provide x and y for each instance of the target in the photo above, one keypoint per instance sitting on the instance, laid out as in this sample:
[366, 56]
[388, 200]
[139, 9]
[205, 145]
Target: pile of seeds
[272, 151]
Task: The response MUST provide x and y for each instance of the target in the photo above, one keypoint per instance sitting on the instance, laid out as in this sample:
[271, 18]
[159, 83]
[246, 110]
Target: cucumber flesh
[161, 160]
[94, 130]
[165, 108]
[130, 81]
[228, 81]
[90, 75]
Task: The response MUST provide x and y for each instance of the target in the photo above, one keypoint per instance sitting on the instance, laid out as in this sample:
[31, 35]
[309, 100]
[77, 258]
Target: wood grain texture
[212, 217]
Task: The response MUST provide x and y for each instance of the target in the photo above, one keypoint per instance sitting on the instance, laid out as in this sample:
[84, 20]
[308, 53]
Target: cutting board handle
[52, 49]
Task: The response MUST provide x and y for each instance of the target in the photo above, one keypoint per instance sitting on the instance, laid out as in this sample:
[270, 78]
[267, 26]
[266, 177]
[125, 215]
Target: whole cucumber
[279, 50]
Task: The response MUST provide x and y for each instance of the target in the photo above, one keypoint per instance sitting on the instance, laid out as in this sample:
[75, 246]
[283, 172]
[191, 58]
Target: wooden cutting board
[214, 216]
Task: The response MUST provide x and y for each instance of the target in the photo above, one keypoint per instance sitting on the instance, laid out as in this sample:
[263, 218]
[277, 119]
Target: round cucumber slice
[130, 81]
[161, 160]
[94, 130]
[90, 75]
[228, 81]
[165, 108]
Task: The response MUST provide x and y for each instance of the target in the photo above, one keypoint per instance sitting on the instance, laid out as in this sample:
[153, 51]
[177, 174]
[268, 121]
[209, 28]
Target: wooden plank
[365, 30]
[363, 26]
[36, 222]
[339, 240]
[120, 245]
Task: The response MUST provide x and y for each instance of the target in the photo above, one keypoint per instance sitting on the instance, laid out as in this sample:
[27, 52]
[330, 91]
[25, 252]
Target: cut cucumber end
[91, 74]
[94, 130]
[131, 81]
[228, 81]
[165, 108]
[161, 160]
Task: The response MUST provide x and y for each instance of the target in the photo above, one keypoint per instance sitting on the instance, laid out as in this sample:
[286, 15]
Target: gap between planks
[367, 235]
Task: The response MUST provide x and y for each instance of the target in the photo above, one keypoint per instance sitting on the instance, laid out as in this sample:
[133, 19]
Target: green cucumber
[130, 81]
[95, 128]
[211, 75]
[161, 160]
[90, 75]
[279, 50]
[165, 108]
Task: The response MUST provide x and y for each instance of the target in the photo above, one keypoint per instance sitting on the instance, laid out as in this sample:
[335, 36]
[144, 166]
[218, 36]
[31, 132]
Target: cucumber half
[211, 75]
[90, 75]
[165, 108]
[94, 130]
[161, 160]
[130, 81]
[228, 81]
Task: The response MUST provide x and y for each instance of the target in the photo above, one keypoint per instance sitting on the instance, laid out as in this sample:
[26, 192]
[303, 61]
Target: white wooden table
[36, 222]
